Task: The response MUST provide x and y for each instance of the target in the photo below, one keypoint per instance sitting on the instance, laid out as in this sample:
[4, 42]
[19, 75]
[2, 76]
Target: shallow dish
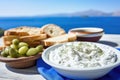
[82, 73]
[21, 62]
[92, 34]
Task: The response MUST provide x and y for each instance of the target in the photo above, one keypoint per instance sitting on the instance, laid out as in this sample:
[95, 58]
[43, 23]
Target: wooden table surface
[7, 73]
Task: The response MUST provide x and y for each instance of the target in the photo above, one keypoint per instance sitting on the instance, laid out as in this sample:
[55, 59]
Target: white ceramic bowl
[82, 73]
[92, 34]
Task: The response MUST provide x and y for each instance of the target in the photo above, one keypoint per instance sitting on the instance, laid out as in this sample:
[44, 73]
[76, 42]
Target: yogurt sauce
[81, 55]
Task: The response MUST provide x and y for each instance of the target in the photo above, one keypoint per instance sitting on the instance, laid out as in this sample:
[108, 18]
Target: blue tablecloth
[50, 74]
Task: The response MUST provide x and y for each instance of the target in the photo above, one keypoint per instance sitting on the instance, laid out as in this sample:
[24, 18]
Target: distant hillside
[87, 13]
[117, 13]
[91, 13]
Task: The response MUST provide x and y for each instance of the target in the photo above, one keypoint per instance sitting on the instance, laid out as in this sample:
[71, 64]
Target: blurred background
[65, 13]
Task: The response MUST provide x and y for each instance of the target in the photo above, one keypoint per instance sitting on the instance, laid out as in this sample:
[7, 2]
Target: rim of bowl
[89, 35]
[89, 29]
[81, 69]
[5, 59]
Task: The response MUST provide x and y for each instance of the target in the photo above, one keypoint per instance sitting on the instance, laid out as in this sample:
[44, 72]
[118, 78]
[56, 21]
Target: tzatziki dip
[81, 55]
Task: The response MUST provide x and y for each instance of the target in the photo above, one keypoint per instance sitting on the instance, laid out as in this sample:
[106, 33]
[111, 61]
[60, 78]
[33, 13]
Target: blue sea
[111, 25]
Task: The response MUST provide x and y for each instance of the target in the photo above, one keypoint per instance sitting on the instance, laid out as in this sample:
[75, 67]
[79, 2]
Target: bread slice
[23, 31]
[33, 39]
[2, 48]
[52, 30]
[35, 43]
[59, 39]
[13, 32]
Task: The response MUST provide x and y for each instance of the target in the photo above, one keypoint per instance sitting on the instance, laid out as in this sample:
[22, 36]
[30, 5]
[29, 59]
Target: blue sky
[43, 7]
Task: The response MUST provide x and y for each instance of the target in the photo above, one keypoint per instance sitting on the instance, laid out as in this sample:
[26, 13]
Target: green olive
[7, 50]
[9, 56]
[14, 46]
[15, 41]
[22, 50]
[4, 54]
[31, 52]
[21, 55]
[39, 48]
[22, 44]
[13, 53]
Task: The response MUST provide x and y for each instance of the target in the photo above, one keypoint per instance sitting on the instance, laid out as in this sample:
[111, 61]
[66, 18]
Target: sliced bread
[13, 32]
[52, 30]
[59, 39]
[33, 39]
[23, 31]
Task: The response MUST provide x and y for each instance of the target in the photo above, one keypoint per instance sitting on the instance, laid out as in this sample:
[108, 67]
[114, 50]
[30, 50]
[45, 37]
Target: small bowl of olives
[20, 54]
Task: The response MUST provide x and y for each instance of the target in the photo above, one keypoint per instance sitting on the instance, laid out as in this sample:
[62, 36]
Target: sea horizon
[109, 24]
